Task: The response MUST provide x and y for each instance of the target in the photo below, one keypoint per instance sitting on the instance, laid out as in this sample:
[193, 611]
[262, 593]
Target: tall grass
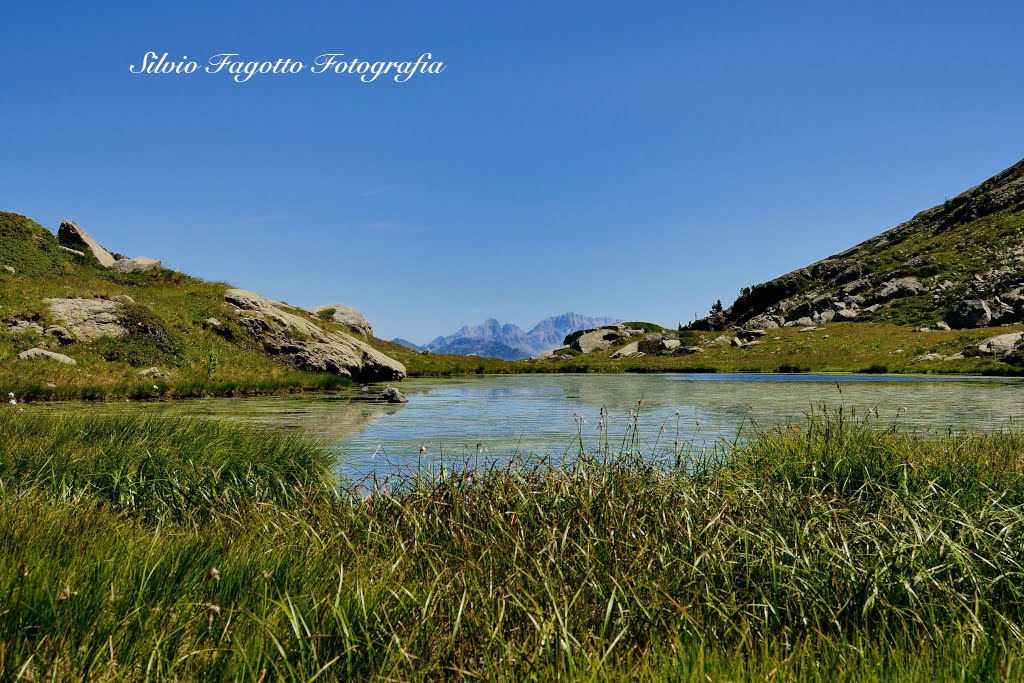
[829, 550]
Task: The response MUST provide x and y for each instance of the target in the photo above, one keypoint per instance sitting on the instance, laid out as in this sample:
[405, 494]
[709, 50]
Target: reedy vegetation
[829, 550]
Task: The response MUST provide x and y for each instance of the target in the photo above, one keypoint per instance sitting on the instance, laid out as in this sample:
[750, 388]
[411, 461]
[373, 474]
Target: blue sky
[638, 160]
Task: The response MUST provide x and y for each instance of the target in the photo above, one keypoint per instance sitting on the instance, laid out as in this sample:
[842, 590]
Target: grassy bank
[170, 549]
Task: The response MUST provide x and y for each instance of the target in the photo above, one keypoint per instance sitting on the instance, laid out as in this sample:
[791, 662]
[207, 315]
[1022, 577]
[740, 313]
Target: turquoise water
[497, 416]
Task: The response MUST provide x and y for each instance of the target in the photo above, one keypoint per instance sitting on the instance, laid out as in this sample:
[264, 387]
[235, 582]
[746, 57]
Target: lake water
[498, 416]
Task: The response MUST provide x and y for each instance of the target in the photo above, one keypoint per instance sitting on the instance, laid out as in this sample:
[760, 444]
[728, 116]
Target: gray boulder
[1001, 344]
[350, 318]
[969, 313]
[10, 269]
[670, 344]
[71, 235]
[596, 340]
[846, 314]
[306, 345]
[898, 288]
[87, 319]
[43, 354]
[134, 265]
[393, 395]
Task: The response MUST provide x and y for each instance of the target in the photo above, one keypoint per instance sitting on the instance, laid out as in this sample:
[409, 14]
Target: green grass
[828, 550]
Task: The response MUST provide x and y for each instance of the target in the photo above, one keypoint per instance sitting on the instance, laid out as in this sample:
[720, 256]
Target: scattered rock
[393, 395]
[70, 234]
[969, 313]
[872, 308]
[134, 265]
[213, 322]
[846, 314]
[756, 342]
[76, 252]
[43, 354]
[810, 328]
[691, 350]
[629, 350]
[800, 322]
[670, 344]
[722, 339]
[306, 345]
[10, 269]
[153, 372]
[942, 326]
[349, 317]
[87, 319]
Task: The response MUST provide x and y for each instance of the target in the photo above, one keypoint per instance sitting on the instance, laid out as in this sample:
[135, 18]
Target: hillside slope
[960, 263]
[73, 327]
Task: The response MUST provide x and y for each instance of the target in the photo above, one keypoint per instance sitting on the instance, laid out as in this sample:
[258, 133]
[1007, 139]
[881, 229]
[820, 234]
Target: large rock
[630, 349]
[349, 317]
[87, 319]
[308, 346]
[595, 340]
[969, 313]
[134, 265]
[43, 354]
[1002, 344]
[71, 235]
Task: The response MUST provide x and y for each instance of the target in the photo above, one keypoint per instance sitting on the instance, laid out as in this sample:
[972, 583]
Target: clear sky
[638, 160]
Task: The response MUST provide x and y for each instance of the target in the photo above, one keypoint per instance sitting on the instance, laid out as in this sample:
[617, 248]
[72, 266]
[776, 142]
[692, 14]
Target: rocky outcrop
[134, 265]
[306, 345]
[87, 319]
[71, 235]
[347, 316]
[43, 354]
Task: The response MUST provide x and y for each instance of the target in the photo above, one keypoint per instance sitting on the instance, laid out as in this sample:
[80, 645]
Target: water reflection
[495, 417]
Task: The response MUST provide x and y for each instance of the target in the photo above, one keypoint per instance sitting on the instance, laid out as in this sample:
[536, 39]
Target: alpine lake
[453, 422]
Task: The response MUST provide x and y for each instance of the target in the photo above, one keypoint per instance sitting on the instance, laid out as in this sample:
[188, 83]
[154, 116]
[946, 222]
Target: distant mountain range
[408, 344]
[496, 340]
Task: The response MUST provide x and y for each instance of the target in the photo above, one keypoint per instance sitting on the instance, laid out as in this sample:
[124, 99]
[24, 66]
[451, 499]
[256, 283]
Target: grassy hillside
[167, 324]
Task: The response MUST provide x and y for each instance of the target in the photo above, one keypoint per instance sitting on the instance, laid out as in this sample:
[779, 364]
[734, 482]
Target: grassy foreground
[172, 549]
